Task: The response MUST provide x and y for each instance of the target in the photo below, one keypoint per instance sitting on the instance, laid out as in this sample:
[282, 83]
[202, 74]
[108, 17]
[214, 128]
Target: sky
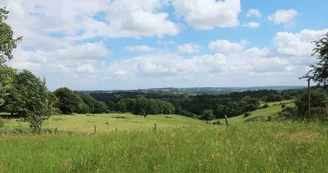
[131, 44]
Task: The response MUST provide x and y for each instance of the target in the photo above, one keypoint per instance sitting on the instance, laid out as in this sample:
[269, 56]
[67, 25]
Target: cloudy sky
[129, 44]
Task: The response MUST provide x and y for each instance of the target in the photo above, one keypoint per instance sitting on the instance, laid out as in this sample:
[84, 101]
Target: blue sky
[129, 44]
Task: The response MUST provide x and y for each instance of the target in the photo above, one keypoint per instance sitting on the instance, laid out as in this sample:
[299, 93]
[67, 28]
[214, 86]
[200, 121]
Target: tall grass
[251, 147]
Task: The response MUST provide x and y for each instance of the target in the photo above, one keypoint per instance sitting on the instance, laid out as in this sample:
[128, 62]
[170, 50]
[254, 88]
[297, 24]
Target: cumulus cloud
[226, 46]
[77, 19]
[188, 48]
[207, 14]
[141, 48]
[283, 16]
[298, 44]
[254, 13]
[252, 25]
[167, 65]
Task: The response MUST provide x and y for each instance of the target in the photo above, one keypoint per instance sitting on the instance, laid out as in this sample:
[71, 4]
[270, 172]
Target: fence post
[95, 129]
[155, 127]
[226, 120]
[56, 131]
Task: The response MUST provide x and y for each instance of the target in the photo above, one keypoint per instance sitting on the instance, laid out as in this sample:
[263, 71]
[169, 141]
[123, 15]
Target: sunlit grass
[245, 147]
[111, 122]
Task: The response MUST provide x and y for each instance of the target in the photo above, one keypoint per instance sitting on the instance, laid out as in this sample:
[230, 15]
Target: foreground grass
[110, 122]
[251, 147]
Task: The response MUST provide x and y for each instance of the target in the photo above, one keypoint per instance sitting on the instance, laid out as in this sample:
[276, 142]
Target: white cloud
[74, 19]
[86, 68]
[254, 13]
[299, 44]
[188, 48]
[167, 65]
[226, 46]
[140, 48]
[207, 14]
[252, 25]
[283, 16]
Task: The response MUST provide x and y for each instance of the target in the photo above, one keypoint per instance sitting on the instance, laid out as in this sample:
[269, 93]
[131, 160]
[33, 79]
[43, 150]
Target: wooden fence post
[56, 131]
[95, 129]
[226, 120]
[155, 127]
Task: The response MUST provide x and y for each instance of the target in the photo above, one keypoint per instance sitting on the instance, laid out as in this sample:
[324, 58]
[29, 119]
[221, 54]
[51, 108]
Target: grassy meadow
[129, 143]
[248, 147]
[110, 122]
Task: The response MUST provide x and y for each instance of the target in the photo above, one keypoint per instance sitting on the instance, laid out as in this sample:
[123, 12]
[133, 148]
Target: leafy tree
[320, 70]
[100, 107]
[90, 102]
[207, 115]
[7, 42]
[219, 111]
[34, 99]
[68, 101]
[79, 107]
[111, 106]
[250, 104]
[317, 99]
[142, 107]
[121, 106]
[7, 76]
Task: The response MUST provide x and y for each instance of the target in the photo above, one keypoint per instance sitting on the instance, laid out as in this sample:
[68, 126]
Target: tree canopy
[7, 41]
[320, 70]
[35, 101]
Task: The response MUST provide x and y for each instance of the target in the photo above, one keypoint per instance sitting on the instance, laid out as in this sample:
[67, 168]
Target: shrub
[216, 123]
[1, 123]
[283, 105]
[247, 114]
[265, 106]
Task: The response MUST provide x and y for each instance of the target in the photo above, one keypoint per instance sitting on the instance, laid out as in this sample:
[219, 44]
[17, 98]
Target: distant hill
[197, 90]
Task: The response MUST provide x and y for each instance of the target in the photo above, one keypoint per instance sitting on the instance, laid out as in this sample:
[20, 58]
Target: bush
[247, 114]
[283, 105]
[216, 123]
[2, 123]
[265, 106]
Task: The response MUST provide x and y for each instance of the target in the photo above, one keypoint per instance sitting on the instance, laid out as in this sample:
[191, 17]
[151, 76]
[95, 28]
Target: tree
[318, 99]
[100, 107]
[34, 99]
[219, 111]
[7, 76]
[79, 107]
[7, 42]
[207, 115]
[142, 107]
[320, 70]
[68, 101]
[250, 104]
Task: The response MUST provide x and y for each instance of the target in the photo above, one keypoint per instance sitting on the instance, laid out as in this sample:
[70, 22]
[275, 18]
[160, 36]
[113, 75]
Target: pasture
[129, 143]
[110, 122]
[246, 147]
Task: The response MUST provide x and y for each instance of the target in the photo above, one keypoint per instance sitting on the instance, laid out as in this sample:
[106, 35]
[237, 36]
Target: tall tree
[7, 41]
[68, 103]
[34, 99]
[7, 75]
[320, 70]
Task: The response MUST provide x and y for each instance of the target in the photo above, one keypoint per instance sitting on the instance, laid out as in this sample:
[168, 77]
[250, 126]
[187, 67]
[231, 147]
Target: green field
[260, 114]
[179, 144]
[111, 122]
[247, 147]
